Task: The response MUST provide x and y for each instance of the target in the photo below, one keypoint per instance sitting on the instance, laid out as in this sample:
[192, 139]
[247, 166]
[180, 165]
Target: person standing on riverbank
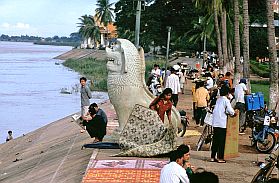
[85, 95]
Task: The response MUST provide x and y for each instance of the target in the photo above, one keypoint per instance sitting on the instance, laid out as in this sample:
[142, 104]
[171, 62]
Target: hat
[243, 81]
[176, 67]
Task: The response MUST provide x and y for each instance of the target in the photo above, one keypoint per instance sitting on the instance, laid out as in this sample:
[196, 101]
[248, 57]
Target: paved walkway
[241, 169]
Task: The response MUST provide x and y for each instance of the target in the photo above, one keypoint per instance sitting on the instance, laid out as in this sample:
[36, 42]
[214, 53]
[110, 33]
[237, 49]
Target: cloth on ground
[145, 135]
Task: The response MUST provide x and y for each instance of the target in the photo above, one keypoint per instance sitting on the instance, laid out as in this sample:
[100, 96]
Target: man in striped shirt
[173, 172]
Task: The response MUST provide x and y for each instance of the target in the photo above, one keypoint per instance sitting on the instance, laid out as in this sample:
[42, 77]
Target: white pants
[84, 110]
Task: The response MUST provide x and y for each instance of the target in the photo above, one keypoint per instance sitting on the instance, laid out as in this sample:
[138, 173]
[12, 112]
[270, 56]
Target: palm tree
[216, 7]
[213, 7]
[237, 69]
[273, 90]
[203, 31]
[246, 57]
[104, 12]
[88, 29]
[224, 37]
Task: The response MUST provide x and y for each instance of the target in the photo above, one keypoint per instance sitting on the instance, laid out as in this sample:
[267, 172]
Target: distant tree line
[73, 40]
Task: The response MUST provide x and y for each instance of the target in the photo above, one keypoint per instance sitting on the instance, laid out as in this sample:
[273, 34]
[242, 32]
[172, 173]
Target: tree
[155, 18]
[88, 28]
[273, 90]
[246, 56]
[104, 12]
[237, 69]
[218, 34]
[203, 30]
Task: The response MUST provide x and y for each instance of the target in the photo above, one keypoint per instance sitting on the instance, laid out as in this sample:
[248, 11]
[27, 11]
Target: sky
[44, 18]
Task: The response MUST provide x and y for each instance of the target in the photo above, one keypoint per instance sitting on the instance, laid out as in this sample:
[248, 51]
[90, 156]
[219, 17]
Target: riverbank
[83, 53]
[50, 154]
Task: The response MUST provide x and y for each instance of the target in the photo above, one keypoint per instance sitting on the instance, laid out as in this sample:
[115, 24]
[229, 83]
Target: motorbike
[155, 86]
[264, 174]
[264, 132]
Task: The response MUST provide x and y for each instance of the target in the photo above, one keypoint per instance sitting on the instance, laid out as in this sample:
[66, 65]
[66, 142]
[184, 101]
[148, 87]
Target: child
[9, 137]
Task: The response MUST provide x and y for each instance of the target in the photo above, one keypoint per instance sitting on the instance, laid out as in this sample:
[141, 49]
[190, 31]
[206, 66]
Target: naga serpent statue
[129, 94]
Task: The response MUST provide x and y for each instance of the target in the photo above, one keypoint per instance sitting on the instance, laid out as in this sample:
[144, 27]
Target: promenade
[236, 170]
[52, 154]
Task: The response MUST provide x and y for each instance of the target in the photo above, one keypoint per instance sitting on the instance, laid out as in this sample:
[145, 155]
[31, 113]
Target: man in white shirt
[209, 82]
[173, 172]
[156, 70]
[173, 83]
[240, 91]
[219, 123]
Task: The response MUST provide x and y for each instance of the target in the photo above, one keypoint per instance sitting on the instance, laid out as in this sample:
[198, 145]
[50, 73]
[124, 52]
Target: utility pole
[137, 31]
[168, 48]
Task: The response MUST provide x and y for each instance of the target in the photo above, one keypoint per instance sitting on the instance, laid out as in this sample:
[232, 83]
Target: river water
[30, 85]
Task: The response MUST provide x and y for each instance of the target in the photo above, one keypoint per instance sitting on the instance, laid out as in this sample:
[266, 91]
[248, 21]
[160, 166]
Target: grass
[92, 69]
[261, 88]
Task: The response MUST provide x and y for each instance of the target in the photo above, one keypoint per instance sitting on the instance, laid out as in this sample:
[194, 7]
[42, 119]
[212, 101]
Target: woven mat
[192, 133]
[130, 171]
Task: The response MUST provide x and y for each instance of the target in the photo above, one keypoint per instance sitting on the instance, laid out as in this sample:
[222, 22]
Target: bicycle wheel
[183, 128]
[263, 174]
[202, 138]
[268, 143]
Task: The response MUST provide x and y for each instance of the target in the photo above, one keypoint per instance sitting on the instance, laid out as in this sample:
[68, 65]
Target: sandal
[213, 160]
[221, 161]
[96, 140]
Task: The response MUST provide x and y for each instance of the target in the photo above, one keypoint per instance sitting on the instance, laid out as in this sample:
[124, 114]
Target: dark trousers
[242, 115]
[174, 99]
[200, 115]
[194, 110]
[218, 143]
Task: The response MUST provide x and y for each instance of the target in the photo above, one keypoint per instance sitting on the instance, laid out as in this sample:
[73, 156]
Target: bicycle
[206, 137]
[207, 134]
[181, 129]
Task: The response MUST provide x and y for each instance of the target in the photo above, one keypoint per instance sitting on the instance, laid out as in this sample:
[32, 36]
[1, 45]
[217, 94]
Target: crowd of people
[211, 90]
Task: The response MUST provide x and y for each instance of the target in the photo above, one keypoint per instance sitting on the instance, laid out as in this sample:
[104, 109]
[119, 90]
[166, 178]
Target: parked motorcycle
[264, 132]
[264, 174]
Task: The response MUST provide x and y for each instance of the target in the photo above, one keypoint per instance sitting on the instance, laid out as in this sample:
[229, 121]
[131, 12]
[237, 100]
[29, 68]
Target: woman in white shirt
[219, 122]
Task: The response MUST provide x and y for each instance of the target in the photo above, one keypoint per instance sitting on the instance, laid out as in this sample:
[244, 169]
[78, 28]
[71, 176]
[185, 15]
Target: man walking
[202, 98]
[240, 91]
[173, 83]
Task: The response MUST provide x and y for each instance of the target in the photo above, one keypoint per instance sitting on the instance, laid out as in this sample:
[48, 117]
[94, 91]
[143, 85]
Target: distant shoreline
[72, 44]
